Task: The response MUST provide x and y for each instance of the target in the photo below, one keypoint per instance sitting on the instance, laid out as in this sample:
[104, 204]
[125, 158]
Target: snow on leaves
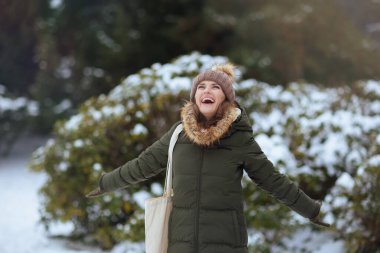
[331, 133]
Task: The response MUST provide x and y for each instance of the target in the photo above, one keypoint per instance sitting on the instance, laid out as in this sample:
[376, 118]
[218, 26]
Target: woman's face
[208, 96]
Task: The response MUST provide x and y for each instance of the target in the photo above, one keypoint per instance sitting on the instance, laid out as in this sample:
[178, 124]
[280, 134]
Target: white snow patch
[277, 150]
[180, 83]
[139, 129]
[140, 197]
[63, 106]
[33, 108]
[306, 240]
[96, 115]
[372, 87]
[73, 123]
[20, 230]
[346, 181]
[157, 189]
[115, 110]
[374, 161]
[78, 143]
[97, 166]
[63, 166]
[55, 3]
[2, 89]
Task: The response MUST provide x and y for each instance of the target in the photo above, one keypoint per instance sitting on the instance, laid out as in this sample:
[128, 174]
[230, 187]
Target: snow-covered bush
[328, 140]
[15, 115]
[322, 138]
[23, 115]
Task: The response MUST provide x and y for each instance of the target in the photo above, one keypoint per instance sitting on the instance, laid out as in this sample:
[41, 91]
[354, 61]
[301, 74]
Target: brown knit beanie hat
[223, 75]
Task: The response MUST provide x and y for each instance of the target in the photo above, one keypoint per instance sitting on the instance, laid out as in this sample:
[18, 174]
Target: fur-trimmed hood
[207, 136]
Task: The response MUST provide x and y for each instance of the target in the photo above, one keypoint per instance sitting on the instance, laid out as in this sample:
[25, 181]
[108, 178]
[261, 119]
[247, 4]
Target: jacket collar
[207, 136]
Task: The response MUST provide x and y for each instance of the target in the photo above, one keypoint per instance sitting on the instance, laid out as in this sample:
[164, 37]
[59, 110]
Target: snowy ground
[20, 231]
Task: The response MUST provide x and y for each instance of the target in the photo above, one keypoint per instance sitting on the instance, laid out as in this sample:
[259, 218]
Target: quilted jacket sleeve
[149, 163]
[262, 172]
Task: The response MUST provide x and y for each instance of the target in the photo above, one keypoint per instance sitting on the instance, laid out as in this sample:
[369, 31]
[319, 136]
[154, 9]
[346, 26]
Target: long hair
[204, 122]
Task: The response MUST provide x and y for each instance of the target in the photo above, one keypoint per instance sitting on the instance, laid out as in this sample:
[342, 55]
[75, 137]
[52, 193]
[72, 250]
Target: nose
[207, 89]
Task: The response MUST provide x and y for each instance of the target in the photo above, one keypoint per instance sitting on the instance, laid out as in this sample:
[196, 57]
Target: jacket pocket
[218, 227]
[238, 237]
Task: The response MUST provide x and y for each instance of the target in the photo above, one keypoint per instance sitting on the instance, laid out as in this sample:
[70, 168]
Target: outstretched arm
[263, 173]
[149, 163]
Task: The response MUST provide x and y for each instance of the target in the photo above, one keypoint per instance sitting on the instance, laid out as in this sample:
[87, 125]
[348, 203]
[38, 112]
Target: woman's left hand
[98, 191]
[317, 219]
[95, 193]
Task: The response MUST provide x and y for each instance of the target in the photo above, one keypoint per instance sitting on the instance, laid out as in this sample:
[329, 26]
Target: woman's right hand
[318, 220]
[95, 193]
[98, 191]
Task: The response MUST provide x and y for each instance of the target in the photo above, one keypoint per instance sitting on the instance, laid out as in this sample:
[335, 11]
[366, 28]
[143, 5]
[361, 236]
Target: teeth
[208, 99]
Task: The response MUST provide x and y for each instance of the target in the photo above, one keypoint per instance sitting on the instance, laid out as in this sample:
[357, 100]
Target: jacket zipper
[198, 202]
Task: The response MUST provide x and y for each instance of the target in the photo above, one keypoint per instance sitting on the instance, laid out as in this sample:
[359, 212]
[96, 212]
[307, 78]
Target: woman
[210, 155]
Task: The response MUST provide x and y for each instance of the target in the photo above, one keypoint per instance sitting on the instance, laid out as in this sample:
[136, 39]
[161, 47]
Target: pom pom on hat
[227, 68]
[224, 75]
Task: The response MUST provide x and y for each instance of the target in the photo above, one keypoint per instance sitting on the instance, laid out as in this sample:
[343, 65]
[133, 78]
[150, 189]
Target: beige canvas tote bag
[157, 210]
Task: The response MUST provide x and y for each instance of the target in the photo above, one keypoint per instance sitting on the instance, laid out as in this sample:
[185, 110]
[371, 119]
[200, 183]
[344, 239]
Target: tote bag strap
[169, 169]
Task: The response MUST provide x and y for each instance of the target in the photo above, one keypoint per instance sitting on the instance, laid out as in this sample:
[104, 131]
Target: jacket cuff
[101, 183]
[306, 206]
[317, 211]
[113, 180]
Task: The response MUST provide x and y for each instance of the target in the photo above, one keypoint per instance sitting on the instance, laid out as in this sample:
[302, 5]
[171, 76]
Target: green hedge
[319, 137]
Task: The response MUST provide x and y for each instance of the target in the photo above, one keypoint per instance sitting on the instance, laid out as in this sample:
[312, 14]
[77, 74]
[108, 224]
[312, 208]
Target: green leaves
[314, 135]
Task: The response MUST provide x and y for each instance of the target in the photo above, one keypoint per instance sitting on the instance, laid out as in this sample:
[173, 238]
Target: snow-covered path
[19, 212]
[20, 231]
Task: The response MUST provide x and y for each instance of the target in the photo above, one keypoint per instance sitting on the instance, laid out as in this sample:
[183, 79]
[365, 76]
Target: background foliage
[66, 51]
[59, 59]
[323, 138]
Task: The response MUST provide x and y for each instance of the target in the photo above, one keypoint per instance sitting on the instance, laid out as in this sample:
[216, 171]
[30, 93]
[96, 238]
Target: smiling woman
[208, 97]
[214, 149]
[212, 94]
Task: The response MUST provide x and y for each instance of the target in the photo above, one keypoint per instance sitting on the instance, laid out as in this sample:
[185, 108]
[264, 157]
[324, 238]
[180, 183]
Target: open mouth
[208, 101]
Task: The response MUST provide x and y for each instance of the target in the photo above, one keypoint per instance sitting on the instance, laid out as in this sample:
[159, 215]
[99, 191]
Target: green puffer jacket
[208, 166]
